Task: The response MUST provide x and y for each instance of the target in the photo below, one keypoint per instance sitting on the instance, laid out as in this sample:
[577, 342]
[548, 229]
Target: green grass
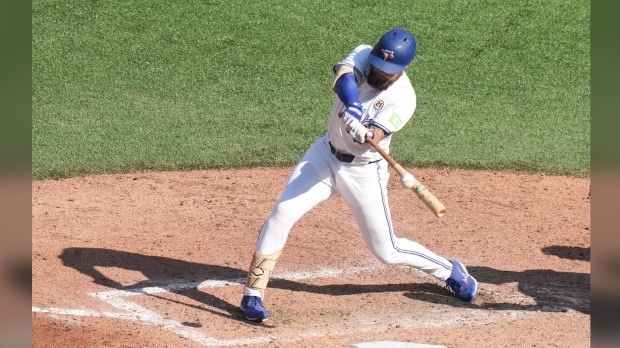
[156, 85]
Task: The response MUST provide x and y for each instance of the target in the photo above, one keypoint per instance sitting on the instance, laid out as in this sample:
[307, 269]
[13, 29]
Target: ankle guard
[260, 270]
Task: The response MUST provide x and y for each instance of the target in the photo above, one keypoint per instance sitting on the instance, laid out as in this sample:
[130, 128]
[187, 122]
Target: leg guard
[260, 271]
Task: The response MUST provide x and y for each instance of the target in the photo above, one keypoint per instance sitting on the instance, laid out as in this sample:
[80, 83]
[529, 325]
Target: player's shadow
[551, 291]
[159, 271]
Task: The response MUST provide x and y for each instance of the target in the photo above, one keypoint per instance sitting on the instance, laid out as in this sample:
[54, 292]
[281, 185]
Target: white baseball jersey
[387, 110]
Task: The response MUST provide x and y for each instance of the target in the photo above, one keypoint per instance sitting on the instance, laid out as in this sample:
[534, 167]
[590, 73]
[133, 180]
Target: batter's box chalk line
[132, 311]
[128, 310]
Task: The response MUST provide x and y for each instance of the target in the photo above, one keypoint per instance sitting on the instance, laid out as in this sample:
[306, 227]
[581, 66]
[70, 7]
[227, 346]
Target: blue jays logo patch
[387, 54]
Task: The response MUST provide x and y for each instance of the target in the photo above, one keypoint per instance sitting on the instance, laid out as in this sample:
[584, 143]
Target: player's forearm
[346, 89]
[377, 133]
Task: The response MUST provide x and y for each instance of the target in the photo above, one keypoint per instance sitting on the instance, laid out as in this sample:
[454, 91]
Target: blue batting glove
[354, 109]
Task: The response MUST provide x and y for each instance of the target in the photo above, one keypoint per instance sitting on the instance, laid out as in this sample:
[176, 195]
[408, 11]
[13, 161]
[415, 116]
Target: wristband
[356, 105]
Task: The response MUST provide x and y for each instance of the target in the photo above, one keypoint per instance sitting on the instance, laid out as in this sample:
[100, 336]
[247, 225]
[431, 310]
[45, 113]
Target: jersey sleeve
[357, 59]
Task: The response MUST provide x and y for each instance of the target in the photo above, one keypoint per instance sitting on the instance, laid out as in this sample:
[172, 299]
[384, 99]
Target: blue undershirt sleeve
[346, 89]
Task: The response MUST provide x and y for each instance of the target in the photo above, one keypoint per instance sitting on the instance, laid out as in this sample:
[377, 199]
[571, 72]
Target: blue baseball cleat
[462, 285]
[252, 307]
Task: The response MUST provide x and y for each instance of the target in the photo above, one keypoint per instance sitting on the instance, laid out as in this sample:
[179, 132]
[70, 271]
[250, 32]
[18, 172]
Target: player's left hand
[351, 118]
[353, 110]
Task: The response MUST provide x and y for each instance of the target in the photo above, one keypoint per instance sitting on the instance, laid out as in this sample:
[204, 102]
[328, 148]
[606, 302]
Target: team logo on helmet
[379, 104]
[387, 54]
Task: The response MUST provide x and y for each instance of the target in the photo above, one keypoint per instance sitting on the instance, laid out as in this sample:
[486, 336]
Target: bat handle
[382, 152]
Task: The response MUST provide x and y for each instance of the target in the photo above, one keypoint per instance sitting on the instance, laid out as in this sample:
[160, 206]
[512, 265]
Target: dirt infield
[158, 260]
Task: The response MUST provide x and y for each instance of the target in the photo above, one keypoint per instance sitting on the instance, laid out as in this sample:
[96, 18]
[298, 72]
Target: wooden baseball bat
[423, 193]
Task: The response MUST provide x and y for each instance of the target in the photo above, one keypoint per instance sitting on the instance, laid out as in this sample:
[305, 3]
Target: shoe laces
[254, 301]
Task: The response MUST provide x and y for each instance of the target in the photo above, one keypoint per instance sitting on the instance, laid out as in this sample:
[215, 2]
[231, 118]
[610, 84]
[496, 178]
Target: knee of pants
[284, 214]
[387, 255]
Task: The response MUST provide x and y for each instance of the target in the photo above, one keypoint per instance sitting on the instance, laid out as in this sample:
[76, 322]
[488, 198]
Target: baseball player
[374, 99]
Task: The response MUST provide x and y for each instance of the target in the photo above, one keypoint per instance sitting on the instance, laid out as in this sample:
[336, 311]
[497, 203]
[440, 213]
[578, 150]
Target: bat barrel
[423, 193]
[429, 199]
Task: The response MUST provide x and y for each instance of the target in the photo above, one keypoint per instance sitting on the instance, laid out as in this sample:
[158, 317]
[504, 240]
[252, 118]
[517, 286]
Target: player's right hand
[357, 131]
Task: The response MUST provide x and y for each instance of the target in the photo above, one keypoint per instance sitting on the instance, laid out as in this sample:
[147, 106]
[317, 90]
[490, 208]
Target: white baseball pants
[318, 176]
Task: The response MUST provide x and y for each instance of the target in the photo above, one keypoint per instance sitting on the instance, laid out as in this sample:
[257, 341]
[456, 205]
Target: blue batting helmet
[393, 52]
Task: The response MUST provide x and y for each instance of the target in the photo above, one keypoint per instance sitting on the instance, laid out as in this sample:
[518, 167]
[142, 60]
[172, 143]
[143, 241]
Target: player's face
[380, 80]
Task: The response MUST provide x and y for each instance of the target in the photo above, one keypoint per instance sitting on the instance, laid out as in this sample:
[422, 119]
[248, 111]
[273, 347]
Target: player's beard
[377, 81]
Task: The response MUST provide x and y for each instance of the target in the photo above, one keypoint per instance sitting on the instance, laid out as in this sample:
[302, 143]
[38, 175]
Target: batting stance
[375, 99]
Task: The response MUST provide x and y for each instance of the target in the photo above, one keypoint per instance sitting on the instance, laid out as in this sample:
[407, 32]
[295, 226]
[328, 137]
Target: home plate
[393, 344]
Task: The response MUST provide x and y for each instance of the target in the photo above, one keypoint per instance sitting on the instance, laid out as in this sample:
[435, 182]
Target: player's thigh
[363, 186]
[310, 183]
[367, 198]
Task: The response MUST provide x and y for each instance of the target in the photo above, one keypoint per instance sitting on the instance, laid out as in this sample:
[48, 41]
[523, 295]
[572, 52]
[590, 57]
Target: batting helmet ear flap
[394, 51]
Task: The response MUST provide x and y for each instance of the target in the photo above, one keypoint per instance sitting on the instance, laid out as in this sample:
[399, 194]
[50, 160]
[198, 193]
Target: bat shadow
[568, 252]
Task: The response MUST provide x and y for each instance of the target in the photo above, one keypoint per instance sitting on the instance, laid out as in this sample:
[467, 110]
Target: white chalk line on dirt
[369, 323]
[214, 283]
[132, 311]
